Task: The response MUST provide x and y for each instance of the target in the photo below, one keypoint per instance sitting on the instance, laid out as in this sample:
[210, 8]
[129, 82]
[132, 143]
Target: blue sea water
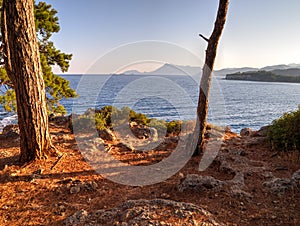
[239, 104]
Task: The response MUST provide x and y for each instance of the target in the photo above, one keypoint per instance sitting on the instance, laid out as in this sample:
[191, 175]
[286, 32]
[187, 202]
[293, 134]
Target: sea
[238, 104]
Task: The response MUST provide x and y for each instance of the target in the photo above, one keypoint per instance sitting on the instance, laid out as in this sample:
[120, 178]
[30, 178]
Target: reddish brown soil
[46, 199]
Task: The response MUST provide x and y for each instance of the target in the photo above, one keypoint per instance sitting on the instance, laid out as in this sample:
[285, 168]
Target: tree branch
[206, 39]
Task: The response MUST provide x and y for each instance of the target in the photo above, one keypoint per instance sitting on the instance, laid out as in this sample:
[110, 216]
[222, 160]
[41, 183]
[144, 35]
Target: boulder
[59, 120]
[262, 132]
[296, 177]
[214, 134]
[11, 131]
[107, 135]
[153, 134]
[246, 132]
[237, 192]
[141, 132]
[279, 185]
[227, 129]
[194, 182]
[226, 168]
[77, 218]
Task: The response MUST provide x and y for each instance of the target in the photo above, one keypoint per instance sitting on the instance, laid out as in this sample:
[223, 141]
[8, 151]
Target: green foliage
[284, 133]
[159, 125]
[139, 118]
[57, 88]
[109, 117]
[8, 101]
[46, 21]
[174, 127]
[103, 117]
[83, 122]
[7, 94]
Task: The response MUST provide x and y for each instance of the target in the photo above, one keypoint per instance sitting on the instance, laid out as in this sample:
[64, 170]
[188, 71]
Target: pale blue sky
[257, 32]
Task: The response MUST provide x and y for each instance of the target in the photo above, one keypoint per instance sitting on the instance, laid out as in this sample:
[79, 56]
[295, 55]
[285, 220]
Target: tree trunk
[202, 109]
[22, 63]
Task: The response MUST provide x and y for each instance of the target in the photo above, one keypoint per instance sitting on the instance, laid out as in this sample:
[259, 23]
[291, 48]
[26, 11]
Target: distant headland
[291, 75]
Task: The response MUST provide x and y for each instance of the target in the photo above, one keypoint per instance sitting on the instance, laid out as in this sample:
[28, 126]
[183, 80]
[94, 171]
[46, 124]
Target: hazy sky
[257, 33]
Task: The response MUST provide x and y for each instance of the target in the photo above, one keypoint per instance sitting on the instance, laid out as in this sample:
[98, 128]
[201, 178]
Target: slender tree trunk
[22, 63]
[211, 52]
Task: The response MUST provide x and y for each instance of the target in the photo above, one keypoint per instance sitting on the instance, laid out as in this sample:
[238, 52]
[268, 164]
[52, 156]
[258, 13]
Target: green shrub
[174, 127]
[103, 118]
[284, 133]
[101, 121]
[159, 125]
[126, 115]
[83, 123]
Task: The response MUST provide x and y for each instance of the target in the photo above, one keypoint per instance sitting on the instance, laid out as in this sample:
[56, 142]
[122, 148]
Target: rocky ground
[246, 184]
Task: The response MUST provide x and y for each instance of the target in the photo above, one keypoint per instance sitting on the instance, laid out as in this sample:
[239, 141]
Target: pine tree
[57, 88]
[23, 66]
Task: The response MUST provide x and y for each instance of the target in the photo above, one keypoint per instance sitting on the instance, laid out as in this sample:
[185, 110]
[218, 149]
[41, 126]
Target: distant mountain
[294, 65]
[132, 72]
[280, 67]
[170, 69]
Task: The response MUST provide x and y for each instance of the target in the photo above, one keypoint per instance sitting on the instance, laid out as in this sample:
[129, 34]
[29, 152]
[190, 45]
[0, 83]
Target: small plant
[284, 133]
[174, 127]
[139, 118]
[82, 123]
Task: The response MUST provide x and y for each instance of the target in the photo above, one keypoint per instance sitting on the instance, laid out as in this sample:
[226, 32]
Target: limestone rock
[78, 186]
[246, 132]
[227, 129]
[107, 135]
[153, 134]
[263, 131]
[59, 120]
[154, 212]
[239, 193]
[226, 168]
[75, 189]
[279, 185]
[77, 218]
[11, 131]
[296, 177]
[214, 134]
[194, 182]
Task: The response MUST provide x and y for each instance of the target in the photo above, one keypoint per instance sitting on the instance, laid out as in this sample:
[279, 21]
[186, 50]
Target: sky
[258, 33]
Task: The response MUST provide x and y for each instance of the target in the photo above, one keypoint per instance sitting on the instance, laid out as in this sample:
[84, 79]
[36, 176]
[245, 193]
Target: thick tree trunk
[202, 109]
[22, 63]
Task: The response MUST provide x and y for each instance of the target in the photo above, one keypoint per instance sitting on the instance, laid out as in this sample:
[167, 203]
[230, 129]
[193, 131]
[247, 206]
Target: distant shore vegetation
[288, 75]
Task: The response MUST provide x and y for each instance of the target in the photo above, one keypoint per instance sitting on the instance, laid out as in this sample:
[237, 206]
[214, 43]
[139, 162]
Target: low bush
[174, 127]
[284, 133]
[109, 117]
[159, 125]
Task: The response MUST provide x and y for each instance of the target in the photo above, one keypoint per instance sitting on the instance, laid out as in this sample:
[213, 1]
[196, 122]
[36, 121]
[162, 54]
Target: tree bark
[211, 52]
[22, 62]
